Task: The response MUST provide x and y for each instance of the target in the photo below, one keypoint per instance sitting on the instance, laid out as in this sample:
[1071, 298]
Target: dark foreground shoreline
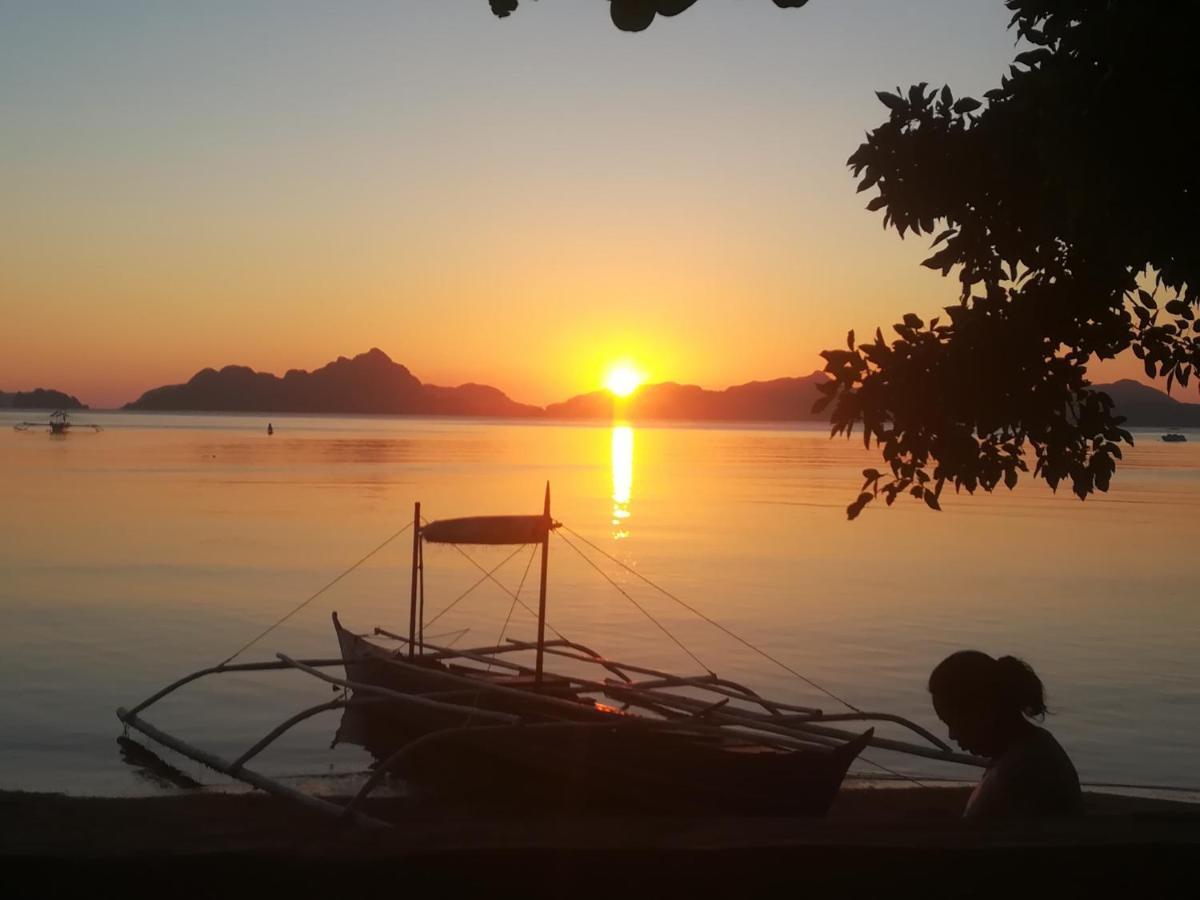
[903, 842]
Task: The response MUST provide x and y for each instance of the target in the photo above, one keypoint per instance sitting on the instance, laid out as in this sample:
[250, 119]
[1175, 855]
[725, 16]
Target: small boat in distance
[58, 423]
[478, 726]
[1174, 438]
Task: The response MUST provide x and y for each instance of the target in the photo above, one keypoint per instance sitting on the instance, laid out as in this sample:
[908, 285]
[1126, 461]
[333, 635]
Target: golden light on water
[623, 379]
[622, 479]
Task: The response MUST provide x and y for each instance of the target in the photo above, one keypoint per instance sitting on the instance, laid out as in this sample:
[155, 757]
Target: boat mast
[541, 635]
[416, 565]
[421, 594]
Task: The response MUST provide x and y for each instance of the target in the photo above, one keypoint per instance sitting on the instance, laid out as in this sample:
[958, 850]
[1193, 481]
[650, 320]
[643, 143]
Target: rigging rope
[713, 622]
[523, 604]
[457, 633]
[719, 626]
[516, 596]
[902, 775]
[682, 646]
[645, 612]
[486, 576]
[313, 597]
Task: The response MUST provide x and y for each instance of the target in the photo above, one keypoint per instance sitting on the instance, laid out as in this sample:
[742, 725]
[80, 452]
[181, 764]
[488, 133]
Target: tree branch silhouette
[1068, 204]
[635, 15]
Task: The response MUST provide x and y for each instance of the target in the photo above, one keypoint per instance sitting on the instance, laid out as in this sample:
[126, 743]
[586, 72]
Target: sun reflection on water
[622, 479]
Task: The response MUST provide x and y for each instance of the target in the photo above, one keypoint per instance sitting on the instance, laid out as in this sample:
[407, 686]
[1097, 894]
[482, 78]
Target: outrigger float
[482, 725]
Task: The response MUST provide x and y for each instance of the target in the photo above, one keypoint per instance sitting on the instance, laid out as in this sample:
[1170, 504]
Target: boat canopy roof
[489, 530]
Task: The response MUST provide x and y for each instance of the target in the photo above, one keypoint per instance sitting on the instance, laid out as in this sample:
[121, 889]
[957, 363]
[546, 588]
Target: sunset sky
[517, 202]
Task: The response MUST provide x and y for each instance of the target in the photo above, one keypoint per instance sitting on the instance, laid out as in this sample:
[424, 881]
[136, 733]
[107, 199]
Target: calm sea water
[160, 545]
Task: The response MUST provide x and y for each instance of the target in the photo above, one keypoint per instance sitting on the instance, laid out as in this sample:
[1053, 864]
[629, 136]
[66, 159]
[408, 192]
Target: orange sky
[516, 202]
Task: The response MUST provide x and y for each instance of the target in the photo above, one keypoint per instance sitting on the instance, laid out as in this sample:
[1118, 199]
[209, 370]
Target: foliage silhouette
[1074, 233]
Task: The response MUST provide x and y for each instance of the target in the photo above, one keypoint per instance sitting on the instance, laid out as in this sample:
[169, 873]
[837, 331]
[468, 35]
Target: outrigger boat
[58, 423]
[479, 724]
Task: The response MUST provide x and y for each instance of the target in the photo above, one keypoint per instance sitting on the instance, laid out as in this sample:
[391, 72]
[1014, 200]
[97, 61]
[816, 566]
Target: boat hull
[589, 758]
[623, 767]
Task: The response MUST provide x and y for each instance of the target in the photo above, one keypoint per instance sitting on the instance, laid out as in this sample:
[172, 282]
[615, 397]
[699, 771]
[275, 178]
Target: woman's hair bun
[1018, 684]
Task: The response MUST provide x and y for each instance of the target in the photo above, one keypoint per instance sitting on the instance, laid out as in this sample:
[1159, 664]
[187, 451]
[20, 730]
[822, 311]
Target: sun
[622, 379]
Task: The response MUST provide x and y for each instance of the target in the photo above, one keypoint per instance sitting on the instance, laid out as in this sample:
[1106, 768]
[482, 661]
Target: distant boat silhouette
[1174, 438]
[59, 423]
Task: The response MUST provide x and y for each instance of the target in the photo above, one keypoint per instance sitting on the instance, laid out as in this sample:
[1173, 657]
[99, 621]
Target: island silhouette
[372, 383]
[368, 383]
[39, 398]
[779, 400]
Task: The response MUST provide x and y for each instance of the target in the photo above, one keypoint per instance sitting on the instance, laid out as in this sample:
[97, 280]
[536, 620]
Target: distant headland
[39, 398]
[372, 383]
[369, 383]
[780, 400]
[1147, 407]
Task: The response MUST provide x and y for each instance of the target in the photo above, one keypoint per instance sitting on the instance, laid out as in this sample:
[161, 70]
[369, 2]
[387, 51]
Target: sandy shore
[902, 841]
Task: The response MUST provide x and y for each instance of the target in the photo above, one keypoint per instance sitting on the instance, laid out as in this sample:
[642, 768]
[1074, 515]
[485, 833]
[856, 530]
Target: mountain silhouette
[372, 383]
[40, 398]
[1146, 407]
[792, 399]
[780, 400]
[369, 383]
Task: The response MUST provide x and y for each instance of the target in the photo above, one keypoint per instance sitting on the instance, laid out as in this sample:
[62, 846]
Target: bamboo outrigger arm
[511, 646]
[256, 779]
[716, 681]
[410, 699]
[765, 723]
[236, 768]
[805, 724]
[217, 670]
[299, 717]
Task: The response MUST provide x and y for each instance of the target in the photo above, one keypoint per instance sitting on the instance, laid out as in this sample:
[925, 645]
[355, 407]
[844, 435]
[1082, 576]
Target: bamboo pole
[780, 724]
[511, 645]
[745, 733]
[743, 692]
[256, 779]
[803, 732]
[421, 595]
[480, 685]
[411, 699]
[278, 730]
[218, 670]
[763, 723]
[412, 604]
[541, 633]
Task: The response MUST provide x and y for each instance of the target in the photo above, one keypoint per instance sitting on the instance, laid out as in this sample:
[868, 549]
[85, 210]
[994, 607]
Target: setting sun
[622, 379]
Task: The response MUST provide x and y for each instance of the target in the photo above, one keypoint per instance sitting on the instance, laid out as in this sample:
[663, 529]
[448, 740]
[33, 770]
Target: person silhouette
[987, 704]
[270, 428]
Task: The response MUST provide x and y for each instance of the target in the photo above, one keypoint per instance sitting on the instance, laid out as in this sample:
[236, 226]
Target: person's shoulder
[1034, 778]
[1045, 759]
[1038, 754]
[1042, 742]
